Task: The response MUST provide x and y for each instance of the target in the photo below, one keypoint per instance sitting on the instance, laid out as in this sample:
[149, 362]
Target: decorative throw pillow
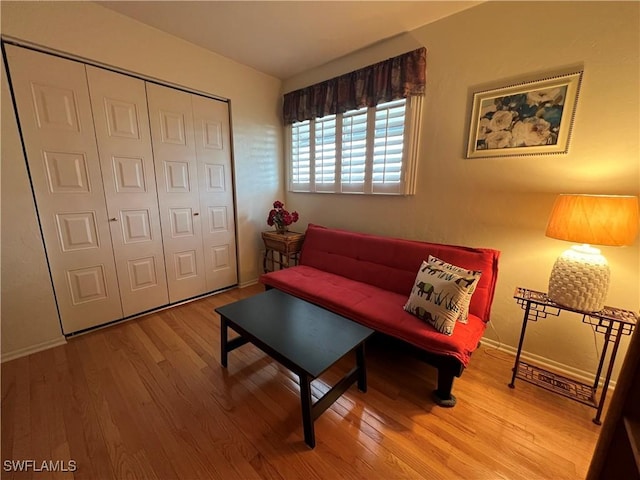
[436, 296]
[464, 306]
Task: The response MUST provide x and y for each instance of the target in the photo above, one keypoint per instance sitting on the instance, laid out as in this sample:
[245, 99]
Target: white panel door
[124, 142]
[55, 117]
[171, 119]
[213, 152]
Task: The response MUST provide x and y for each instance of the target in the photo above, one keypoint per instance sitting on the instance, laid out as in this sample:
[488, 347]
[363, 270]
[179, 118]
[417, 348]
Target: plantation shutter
[354, 151]
[300, 144]
[358, 132]
[325, 154]
[388, 152]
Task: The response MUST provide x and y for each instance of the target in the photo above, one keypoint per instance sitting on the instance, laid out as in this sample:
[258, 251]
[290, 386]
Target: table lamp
[580, 276]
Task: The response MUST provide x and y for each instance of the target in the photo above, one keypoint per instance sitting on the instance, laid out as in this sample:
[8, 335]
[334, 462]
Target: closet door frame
[8, 40]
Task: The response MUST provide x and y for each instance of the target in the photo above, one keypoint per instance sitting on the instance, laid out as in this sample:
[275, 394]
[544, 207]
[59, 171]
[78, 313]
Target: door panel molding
[109, 170]
[54, 111]
[124, 142]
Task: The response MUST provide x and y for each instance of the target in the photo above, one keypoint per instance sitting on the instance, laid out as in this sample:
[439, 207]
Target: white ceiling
[284, 38]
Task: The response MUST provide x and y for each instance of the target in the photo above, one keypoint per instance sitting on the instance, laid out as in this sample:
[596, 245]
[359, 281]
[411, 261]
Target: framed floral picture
[531, 118]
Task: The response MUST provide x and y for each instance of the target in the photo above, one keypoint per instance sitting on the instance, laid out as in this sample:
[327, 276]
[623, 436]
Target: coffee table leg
[362, 368]
[223, 341]
[307, 419]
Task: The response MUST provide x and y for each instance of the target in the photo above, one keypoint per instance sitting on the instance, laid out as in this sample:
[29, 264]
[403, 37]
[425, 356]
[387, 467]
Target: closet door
[124, 143]
[172, 133]
[213, 152]
[57, 128]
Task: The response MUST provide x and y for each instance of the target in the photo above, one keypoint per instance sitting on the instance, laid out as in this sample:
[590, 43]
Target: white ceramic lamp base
[580, 279]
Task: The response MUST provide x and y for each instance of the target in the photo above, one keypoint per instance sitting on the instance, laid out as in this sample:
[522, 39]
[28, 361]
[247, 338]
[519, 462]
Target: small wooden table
[303, 337]
[286, 245]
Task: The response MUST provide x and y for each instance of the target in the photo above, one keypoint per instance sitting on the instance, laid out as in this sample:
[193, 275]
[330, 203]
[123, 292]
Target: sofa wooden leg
[443, 396]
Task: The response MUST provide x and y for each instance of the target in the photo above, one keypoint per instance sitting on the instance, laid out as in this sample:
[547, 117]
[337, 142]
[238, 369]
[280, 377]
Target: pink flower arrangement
[280, 217]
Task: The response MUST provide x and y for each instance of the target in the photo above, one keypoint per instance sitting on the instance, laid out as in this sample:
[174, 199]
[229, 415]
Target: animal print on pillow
[437, 295]
[464, 306]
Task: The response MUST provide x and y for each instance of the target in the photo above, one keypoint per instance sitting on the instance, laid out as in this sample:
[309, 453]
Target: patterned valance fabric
[398, 77]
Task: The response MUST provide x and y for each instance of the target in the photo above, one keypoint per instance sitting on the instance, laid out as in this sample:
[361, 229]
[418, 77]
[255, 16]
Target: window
[371, 150]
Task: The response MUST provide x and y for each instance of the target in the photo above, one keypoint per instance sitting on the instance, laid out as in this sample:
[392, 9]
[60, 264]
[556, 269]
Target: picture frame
[528, 118]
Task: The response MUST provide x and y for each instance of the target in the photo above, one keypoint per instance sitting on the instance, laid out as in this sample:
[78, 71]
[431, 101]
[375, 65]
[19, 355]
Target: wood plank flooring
[148, 399]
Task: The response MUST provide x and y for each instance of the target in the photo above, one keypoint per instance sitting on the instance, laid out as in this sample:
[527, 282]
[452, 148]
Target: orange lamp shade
[594, 219]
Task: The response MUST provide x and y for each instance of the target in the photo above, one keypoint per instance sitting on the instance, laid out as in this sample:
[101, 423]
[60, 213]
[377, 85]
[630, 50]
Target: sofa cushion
[391, 264]
[380, 309]
[464, 304]
[438, 295]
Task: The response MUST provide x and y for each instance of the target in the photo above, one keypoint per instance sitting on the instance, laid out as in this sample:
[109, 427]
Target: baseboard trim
[23, 352]
[561, 368]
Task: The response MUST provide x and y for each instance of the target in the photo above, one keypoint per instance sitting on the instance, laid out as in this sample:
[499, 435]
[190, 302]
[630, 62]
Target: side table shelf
[282, 250]
[611, 322]
[568, 387]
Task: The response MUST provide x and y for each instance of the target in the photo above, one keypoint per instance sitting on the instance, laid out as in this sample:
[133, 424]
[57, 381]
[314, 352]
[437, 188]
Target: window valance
[398, 77]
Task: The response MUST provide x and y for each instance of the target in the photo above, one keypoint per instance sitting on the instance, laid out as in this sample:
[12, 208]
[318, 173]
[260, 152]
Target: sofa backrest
[392, 263]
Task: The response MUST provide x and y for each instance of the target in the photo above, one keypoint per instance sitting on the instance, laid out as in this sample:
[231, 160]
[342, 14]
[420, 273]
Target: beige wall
[497, 202]
[90, 31]
[503, 203]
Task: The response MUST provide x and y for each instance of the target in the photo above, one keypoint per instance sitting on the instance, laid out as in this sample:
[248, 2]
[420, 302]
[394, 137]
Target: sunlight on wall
[504, 203]
[258, 179]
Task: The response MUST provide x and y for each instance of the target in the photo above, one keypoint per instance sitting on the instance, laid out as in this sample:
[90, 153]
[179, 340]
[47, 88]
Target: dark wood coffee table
[303, 337]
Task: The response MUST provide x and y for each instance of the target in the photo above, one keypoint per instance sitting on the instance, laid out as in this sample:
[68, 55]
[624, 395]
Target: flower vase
[281, 229]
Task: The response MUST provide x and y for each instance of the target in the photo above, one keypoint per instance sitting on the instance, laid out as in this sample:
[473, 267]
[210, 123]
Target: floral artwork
[530, 118]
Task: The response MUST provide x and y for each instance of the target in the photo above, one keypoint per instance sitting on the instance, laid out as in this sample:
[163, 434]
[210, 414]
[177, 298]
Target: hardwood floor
[149, 399]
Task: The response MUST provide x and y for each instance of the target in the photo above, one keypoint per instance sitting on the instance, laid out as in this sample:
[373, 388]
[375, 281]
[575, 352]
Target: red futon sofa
[368, 279]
